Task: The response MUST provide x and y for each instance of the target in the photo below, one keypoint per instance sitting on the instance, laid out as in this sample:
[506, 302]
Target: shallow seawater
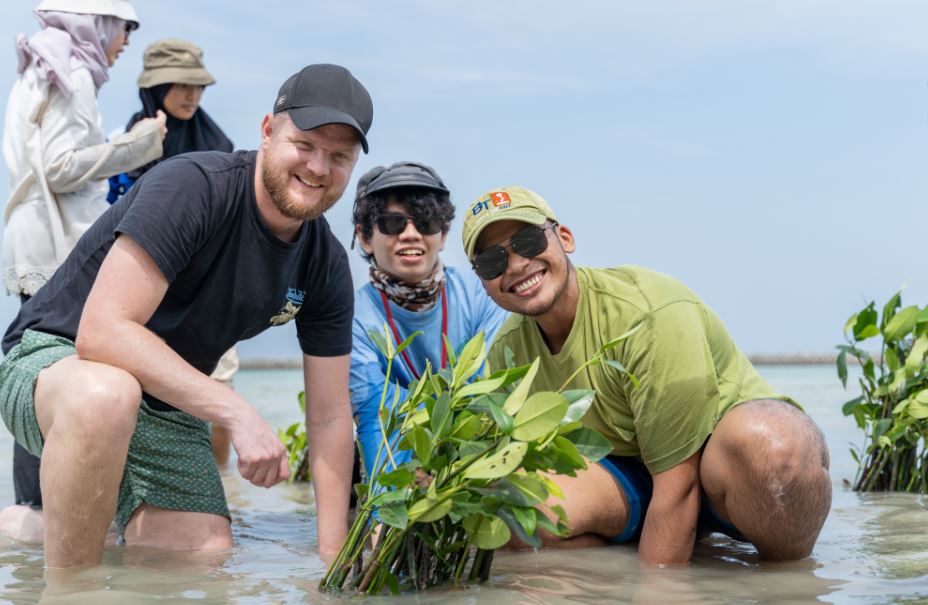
[873, 548]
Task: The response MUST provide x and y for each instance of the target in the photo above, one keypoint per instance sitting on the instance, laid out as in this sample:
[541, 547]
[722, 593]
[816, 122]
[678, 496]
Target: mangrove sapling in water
[294, 439]
[479, 446]
[892, 407]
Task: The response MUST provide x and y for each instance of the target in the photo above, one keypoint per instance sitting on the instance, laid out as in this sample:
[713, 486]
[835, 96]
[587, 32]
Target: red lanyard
[444, 331]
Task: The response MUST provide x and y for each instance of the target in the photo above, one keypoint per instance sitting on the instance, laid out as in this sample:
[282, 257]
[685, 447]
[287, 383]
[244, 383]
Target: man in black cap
[106, 375]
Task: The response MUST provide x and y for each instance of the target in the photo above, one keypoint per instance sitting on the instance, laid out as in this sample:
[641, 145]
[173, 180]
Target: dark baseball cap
[400, 174]
[326, 94]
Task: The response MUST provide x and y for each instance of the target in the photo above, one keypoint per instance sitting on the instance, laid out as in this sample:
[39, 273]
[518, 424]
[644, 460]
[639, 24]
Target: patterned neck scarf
[420, 296]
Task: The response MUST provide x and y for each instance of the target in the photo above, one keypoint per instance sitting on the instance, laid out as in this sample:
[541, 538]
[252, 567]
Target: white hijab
[66, 35]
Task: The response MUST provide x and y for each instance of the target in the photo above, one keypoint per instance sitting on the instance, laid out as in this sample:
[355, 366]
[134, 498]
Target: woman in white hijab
[59, 160]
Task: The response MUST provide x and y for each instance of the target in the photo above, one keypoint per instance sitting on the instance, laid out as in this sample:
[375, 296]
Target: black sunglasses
[394, 224]
[527, 243]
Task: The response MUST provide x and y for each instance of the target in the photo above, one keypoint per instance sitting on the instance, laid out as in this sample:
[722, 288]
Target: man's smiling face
[528, 286]
[306, 171]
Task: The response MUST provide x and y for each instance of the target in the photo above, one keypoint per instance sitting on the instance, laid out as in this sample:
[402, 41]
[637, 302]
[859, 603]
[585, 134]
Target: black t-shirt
[230, 277]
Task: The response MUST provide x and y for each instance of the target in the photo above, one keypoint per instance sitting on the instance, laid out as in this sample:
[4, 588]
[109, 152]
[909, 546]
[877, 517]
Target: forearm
[669, 531]
[161, 372]
[331, 455]
[68, 169]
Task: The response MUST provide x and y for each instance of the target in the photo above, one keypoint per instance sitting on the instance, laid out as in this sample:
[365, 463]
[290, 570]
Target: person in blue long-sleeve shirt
[401, 217]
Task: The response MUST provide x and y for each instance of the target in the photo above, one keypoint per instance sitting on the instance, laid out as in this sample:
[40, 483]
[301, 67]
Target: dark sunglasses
[394, 224]
[527, 243]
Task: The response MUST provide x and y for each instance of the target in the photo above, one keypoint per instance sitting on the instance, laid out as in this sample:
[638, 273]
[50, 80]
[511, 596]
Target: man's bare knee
[779, 492]
[89, 397]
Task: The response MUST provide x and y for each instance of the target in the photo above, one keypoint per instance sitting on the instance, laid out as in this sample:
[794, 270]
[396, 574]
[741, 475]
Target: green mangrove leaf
[515, 401]
[509, 358]
[471, 448]
[400, 477]
[480, 387]
[890, 308]
[394, 514]
[469, 360]
[882, 426]
[406, 342]
[421, 444]
[377, 337]
[579, 401]
[498, 464]
[466, 426]
[398, 495]
[916, 357]
[842, 368]
[508, 492]
[618, 366]
[901, 324]
[526, 518]
[570, 427]
[553, 488]
[441, 417]
[618, 339]
[865, 324]
[591, 444]
[418, 418]
[848, 408]
[429, 509]
[515, 526]
[567, 452]
[504, 421]
[541, 414]
[479, 405]
[486, 532]
[891, 359]
[449, 346]
[530, 486]
[918, 405]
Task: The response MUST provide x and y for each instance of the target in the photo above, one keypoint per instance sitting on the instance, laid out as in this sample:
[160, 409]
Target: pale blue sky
[771, 155]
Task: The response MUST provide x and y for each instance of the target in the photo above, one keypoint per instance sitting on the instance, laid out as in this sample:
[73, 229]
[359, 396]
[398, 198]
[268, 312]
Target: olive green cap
[174, 61]
[504, 204]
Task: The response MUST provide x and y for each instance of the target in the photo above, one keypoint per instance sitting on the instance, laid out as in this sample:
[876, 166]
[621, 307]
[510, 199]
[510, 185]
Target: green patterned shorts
[170, 463]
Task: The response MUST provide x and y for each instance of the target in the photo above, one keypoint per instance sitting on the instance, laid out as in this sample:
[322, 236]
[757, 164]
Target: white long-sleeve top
[59, 160]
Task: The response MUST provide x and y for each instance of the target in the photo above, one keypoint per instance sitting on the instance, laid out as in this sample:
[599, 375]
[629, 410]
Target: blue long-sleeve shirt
[470, 311]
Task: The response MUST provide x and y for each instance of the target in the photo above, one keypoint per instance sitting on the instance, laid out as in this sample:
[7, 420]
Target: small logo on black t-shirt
[291, 307]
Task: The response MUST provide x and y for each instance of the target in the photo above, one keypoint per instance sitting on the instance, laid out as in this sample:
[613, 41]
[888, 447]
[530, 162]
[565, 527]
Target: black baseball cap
[400, 174]
[326, 94]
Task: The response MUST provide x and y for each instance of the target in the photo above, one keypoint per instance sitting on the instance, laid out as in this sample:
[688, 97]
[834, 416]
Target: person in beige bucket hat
[59, 160]
[172, 80]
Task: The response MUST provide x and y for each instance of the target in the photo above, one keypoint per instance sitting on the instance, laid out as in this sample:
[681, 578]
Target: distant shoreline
[760, 359]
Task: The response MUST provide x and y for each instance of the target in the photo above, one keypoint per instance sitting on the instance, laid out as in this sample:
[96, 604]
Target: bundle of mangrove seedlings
[478, 448]
[892, 408]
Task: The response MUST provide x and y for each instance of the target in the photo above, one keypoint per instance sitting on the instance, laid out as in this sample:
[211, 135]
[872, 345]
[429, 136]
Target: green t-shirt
[690, 371]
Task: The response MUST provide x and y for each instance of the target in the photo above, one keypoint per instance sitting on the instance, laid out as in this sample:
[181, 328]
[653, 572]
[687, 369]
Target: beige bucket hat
[122, 9]
[174, 61]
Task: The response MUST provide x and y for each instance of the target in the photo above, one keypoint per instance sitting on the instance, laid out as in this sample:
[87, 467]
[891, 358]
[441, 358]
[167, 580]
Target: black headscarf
[199, 133]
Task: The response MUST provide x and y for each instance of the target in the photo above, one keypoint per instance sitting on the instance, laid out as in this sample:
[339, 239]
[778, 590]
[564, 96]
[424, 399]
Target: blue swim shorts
[637, 484]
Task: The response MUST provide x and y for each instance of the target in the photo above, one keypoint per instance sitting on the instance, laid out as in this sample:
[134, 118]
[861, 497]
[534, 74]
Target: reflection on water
[873, 548]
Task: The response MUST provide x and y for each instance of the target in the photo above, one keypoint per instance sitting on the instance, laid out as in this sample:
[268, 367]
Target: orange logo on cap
[500, 199]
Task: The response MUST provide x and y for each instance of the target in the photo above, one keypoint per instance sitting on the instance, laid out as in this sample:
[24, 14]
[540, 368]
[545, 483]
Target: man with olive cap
[700, 441]
[401, 218]
[106, 374]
